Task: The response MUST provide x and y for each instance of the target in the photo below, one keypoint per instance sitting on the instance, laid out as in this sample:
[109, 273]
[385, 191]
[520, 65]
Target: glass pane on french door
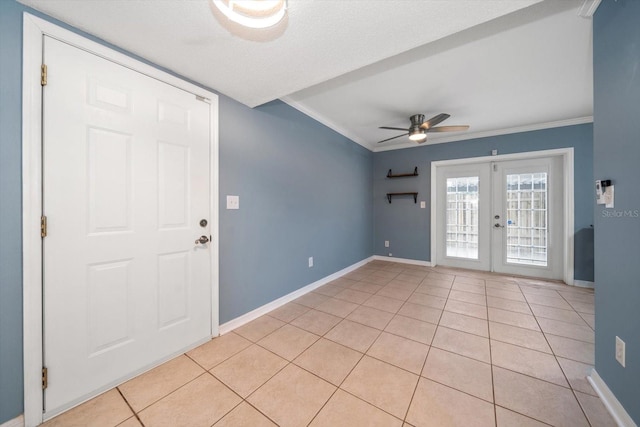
[462, 217]
[527, 218]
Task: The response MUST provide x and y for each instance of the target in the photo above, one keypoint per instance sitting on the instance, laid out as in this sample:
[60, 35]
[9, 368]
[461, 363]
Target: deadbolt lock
[203, 223]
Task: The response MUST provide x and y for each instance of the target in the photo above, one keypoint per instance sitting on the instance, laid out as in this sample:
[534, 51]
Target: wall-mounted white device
[604, 193]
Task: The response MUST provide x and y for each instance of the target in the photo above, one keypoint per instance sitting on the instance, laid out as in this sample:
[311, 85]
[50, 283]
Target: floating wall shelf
[402, 175]
[415, 196]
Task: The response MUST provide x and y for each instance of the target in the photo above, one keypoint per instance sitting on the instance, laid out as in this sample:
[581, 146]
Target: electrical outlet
[386, 243]
[233, 202]
[390, 254]
[620, 351]
[310, 261]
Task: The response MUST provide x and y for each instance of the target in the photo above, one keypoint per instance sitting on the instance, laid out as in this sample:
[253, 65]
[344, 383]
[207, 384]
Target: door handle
[496, 225]
[202, 240]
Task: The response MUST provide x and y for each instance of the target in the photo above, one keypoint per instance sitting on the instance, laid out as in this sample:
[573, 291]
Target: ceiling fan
[419, 127]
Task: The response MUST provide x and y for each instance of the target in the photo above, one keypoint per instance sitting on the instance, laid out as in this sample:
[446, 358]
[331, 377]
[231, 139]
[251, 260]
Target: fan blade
[428, 124]
[389, 139]
[386, 127]
[448, 128]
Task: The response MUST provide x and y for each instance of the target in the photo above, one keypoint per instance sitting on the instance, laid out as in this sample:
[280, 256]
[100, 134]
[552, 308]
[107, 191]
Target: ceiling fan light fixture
[253, 13]
[417, 135]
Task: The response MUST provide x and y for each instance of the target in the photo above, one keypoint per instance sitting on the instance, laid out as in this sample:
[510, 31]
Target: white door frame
[34, 30]
[568, 209]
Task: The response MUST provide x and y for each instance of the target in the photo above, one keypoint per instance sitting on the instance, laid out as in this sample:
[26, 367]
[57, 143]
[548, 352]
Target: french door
[504, 216]
[126, 192]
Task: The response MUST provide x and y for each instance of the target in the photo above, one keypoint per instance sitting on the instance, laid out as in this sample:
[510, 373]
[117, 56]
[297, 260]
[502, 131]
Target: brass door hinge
[43, 75]
[43, 226]
[45, 378]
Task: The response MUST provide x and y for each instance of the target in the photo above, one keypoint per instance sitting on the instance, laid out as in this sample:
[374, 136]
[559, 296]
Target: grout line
[135, 414]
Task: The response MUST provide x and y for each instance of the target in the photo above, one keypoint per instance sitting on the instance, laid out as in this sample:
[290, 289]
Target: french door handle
[496, 225]
[202, 240]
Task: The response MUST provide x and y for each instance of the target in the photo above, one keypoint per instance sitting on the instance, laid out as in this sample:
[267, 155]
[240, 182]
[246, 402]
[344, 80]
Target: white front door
[126, 184]
[504, 216]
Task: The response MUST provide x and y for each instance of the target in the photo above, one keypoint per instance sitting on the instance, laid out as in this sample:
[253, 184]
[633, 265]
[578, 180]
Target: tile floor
[386, 345]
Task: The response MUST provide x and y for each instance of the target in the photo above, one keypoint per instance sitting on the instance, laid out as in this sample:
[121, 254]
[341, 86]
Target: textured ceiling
[319, 40]
[354, 65]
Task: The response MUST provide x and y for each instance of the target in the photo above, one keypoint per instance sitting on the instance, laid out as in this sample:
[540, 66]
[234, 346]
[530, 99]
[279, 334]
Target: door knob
[202, 240]
[496, 225]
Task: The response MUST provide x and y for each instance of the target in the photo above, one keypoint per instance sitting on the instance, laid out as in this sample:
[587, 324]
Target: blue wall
[407, 227]
[304, 191]
[10, 211]
[616, 56]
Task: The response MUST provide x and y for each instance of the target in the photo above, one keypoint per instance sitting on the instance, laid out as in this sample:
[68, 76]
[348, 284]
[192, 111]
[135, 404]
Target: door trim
[568, 209]
[34, 30]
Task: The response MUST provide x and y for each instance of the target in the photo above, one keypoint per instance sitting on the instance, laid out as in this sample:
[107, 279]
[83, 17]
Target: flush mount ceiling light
[253, 13]
[417, 134]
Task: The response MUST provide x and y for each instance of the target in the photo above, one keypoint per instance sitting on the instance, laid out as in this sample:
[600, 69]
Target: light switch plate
[423, 204]
[233, 202]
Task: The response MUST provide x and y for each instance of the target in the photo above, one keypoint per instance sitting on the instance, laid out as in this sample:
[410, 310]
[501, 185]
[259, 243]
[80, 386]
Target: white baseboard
[254, 314]
[584, 284]
[402, 260]
[16, 422]
[610, 401]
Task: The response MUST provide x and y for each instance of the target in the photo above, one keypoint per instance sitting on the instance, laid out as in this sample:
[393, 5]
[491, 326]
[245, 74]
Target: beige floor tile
[343, 282]
[466, 308]
[346, 410]
[571, 349]
[468, 280]
[411, 277]
[289, 311]
[288, 342]
[413, 329]
[131, 422]
[514, 319]
[311, 299]
[537, 291]
[433, 290]
[371, 288]
[329, 290]
[371, 317]
[401, 352]
[460, 322]
[436, 405]
[548, 301]
[583, 307]
[507, 418]
[568, 330]
[108, 409]
[590, 319]
[353, 335]
[569, 316]
[502, 283]
[579, 296]
[354, 296]
[381, 384]
[259, 328]
[577, 373]
[443, 277]
[391, 291]
[329, 360]
[462, 343]
[513, 295]
[387, 304]
[201, 402]
[292, 397]
[245, 415]
[537, 399]
[597, 413]
[470, 297]
[428, 300]
[459, 372]
[151, 386]
[379, 280]
[218, 350]
[528, 338]
[438, 283]
[421, 312]
[337, 307]
[509, 305]
[387, 273]
[402, 285]
[249, 369]
[316, 322]
[529, 362]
